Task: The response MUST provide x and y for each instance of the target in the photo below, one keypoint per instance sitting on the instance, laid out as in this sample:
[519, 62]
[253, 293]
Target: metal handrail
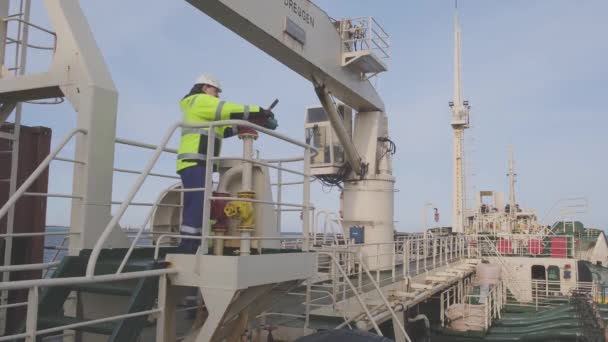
[38, 171]
[143, 226]
[152, 162]
[26, 284]
[216, 237]
[28, 267]
[386, 302]
[359, 299]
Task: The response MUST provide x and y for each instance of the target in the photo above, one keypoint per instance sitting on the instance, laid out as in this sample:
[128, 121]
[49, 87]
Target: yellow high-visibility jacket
[201, 108]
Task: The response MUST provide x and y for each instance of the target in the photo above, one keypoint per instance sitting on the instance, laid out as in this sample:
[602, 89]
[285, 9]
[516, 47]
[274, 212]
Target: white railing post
[125, 204]
[387, 304]
[441, 309]
[31, 321]
[307, 318]
[434, 243]
[394, 261]
[280, 194]
[306, 200]
[162, 329]
[206, 229]
[417, 256]
[485, 319]
[425, 246]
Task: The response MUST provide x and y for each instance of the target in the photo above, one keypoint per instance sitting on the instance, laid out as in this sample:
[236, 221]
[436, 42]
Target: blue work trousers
[192, 214]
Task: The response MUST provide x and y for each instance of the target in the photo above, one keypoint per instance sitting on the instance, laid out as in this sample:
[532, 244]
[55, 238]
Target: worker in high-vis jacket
[202, 105]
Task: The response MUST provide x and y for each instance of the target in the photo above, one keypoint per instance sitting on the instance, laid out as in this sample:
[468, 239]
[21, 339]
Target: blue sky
[535, 73]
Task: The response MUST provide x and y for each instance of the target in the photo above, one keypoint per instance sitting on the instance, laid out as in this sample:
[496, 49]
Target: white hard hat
[210, 80]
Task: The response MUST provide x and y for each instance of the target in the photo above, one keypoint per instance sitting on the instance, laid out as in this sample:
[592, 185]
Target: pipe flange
[246, 194]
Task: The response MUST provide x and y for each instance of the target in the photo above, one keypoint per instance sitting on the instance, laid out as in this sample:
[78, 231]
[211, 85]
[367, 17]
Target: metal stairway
[378, 305]
[140, 294]
[512, 286]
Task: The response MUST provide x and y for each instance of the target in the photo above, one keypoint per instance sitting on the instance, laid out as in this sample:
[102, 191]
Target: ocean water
[52, 244]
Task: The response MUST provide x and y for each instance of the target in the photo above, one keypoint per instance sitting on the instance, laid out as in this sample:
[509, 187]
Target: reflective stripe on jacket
[202, 108]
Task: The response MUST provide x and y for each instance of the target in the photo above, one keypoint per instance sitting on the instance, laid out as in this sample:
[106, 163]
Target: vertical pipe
[247, 175]
[245, 246]
[246, 186]
[218, 244]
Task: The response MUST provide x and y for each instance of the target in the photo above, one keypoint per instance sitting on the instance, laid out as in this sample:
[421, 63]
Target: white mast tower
[460, 121]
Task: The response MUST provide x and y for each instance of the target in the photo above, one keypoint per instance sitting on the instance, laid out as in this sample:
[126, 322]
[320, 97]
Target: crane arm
[301, 36]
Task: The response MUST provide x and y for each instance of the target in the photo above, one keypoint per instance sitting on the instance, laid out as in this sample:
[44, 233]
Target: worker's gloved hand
[264, 118]
[270, 121]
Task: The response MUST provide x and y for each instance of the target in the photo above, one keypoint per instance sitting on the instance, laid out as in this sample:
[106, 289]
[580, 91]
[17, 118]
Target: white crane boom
[301, 36]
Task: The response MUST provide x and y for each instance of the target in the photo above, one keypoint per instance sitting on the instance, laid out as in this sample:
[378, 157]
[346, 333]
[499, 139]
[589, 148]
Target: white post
[247, 186]
[247, 175]
[208, 190]
[165, 329]
[424, 251]
[307, 318]
[394, 262]
[406, 259]
[280, 195]
[441, 314]
[306, 200]
[434, 252]
[417, 256]
[31, 320]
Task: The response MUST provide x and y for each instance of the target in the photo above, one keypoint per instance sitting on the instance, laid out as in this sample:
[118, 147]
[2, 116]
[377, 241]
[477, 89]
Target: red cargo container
[30, 212]
[504, 246]
[535, 246]
[559, 247]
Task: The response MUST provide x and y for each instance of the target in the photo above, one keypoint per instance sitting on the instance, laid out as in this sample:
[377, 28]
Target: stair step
[104, 288]
[434, 278]
[419, 286]
[404, 294]
[46, 322]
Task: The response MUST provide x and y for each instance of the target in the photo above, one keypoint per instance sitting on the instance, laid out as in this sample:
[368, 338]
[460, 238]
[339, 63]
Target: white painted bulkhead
[517, 274]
